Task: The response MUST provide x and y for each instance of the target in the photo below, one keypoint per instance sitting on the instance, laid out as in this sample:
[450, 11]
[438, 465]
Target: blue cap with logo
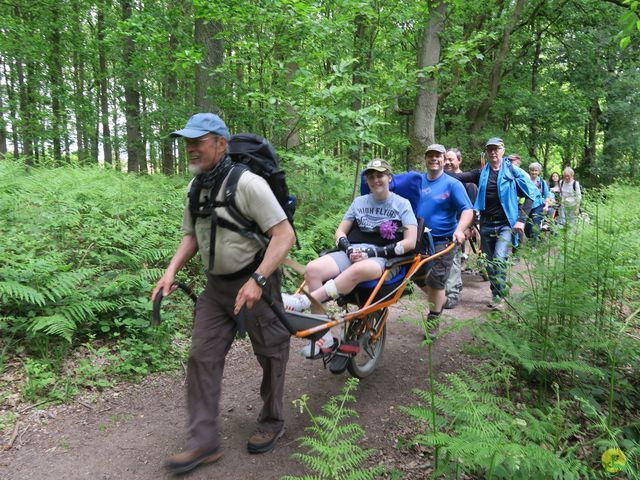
[201, 124]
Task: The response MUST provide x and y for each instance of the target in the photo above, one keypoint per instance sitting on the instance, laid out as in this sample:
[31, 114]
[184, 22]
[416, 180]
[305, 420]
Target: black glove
[343, 244]
[386, 251]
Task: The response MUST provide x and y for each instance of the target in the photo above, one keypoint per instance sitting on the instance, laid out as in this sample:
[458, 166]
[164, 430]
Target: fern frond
[14, 290]
[53, 325]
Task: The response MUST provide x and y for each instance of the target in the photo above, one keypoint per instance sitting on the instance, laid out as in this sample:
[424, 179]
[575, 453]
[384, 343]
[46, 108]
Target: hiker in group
[570, 198]
[501, 215]
[377, 226]
[516, 161]
[554, 188]
[447, 212]
[238, 271]
[453, 287]
[537, 214]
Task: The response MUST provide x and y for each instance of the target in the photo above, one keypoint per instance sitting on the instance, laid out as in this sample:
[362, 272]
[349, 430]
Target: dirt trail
[127, 432]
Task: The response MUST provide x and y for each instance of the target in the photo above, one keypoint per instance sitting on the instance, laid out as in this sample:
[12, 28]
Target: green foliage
[332, 449]
[81, 250]
[480, 433]
[566, 350]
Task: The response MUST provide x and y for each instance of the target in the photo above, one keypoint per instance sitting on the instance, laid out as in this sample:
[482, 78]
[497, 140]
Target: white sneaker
[325, 342]
[295, 303]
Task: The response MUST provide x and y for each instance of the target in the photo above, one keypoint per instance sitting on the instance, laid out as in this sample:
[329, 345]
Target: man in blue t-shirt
[443, 200]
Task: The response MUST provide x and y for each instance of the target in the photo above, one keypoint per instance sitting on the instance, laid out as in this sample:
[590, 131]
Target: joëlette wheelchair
[362, 345]
[365, 330]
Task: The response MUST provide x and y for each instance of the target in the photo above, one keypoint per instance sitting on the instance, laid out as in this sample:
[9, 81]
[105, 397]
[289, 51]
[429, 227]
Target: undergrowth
[563, 386]
[80, 251]
[332, 450]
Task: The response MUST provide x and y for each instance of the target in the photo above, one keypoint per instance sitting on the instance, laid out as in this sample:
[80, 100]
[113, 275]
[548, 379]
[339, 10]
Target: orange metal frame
[370, 306]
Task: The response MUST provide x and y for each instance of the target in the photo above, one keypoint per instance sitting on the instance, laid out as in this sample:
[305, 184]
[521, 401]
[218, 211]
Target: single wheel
[363, 332]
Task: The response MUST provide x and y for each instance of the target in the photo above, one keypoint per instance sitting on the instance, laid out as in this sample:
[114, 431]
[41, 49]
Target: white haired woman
[570, 198]
[532, 228]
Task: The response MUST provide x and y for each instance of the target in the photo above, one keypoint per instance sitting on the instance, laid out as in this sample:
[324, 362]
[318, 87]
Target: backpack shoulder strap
[229, 199]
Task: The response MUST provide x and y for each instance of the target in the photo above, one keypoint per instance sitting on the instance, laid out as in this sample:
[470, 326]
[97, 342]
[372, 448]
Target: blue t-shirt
[441, 202]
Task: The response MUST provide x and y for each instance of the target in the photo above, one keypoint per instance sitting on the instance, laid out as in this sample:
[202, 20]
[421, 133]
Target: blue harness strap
[406, 185]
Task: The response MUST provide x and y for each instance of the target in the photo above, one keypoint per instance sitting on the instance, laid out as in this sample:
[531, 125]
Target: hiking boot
[451, 303]
[262, 441]
[186, 461]
[497, 304]
[295, 303]
[325, 342]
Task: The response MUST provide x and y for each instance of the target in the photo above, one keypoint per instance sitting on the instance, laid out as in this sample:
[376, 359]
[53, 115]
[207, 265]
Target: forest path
[128, 431]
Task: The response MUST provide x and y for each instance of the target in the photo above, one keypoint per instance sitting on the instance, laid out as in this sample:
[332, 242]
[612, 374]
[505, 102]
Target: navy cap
[201, 124]
[495, 141]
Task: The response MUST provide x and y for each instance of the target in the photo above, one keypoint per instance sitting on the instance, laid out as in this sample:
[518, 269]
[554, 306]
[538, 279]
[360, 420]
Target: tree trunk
[13, 107]
[589, 160]
[132, 99]
[170, 98]
[424, 115]
[292, 136]
[57, 88]
[208, 81]
[535, 92]
[479, 116]
[102, 80]
[78, 82]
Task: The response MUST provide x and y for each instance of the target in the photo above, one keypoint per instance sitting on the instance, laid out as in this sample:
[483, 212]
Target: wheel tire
[365, 362]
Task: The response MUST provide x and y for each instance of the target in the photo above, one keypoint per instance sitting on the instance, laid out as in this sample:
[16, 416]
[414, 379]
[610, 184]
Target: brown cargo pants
[214, 330]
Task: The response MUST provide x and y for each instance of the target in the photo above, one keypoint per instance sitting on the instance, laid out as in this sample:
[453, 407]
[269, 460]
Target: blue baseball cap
[201, 124]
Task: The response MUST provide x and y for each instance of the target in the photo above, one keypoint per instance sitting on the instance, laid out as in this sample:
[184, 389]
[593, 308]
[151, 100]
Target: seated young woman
[377, 226]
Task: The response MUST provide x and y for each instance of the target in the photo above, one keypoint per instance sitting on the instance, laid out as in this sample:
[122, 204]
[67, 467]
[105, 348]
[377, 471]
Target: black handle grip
[155, 316]
[279, 313]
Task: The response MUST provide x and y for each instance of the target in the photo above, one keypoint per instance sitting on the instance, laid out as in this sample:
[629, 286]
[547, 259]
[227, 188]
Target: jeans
[495, 239]
[532, 227]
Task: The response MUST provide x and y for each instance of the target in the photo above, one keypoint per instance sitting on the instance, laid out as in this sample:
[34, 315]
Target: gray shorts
[435, 273]
[343, 262]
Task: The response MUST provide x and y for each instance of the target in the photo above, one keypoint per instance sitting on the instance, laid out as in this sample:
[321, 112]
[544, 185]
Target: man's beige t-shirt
[256, 202]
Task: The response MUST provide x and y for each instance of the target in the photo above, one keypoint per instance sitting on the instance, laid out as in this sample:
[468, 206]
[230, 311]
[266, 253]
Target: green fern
[484, 434]
[332, 444]
[56, 325]
[12, 290]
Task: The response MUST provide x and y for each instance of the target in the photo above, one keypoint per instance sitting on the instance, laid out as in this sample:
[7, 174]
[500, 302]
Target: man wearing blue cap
[238, 270]
[501, 215]
[447, 212]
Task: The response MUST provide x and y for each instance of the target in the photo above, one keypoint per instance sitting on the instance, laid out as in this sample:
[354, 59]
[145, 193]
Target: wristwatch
[260, 280]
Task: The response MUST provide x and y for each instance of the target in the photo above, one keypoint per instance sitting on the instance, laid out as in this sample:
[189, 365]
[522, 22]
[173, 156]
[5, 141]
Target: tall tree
[135, 151]
[208, 81]
[424, 114]
[102, 83]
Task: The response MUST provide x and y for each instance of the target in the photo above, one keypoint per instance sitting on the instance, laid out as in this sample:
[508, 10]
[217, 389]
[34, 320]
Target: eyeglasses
[493, 148]
[194, 142]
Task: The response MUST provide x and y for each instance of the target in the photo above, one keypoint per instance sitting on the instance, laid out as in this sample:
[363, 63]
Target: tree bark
[13, 106]
[3, 130]
[57, 88]
[535, 92]
[170, 98]
[424, 114]
[479, 116]
[588, 165]
[135, 152]
[208, 81]
[102, 81]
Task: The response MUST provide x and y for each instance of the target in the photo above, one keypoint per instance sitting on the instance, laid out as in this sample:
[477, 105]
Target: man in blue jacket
[502, 217]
